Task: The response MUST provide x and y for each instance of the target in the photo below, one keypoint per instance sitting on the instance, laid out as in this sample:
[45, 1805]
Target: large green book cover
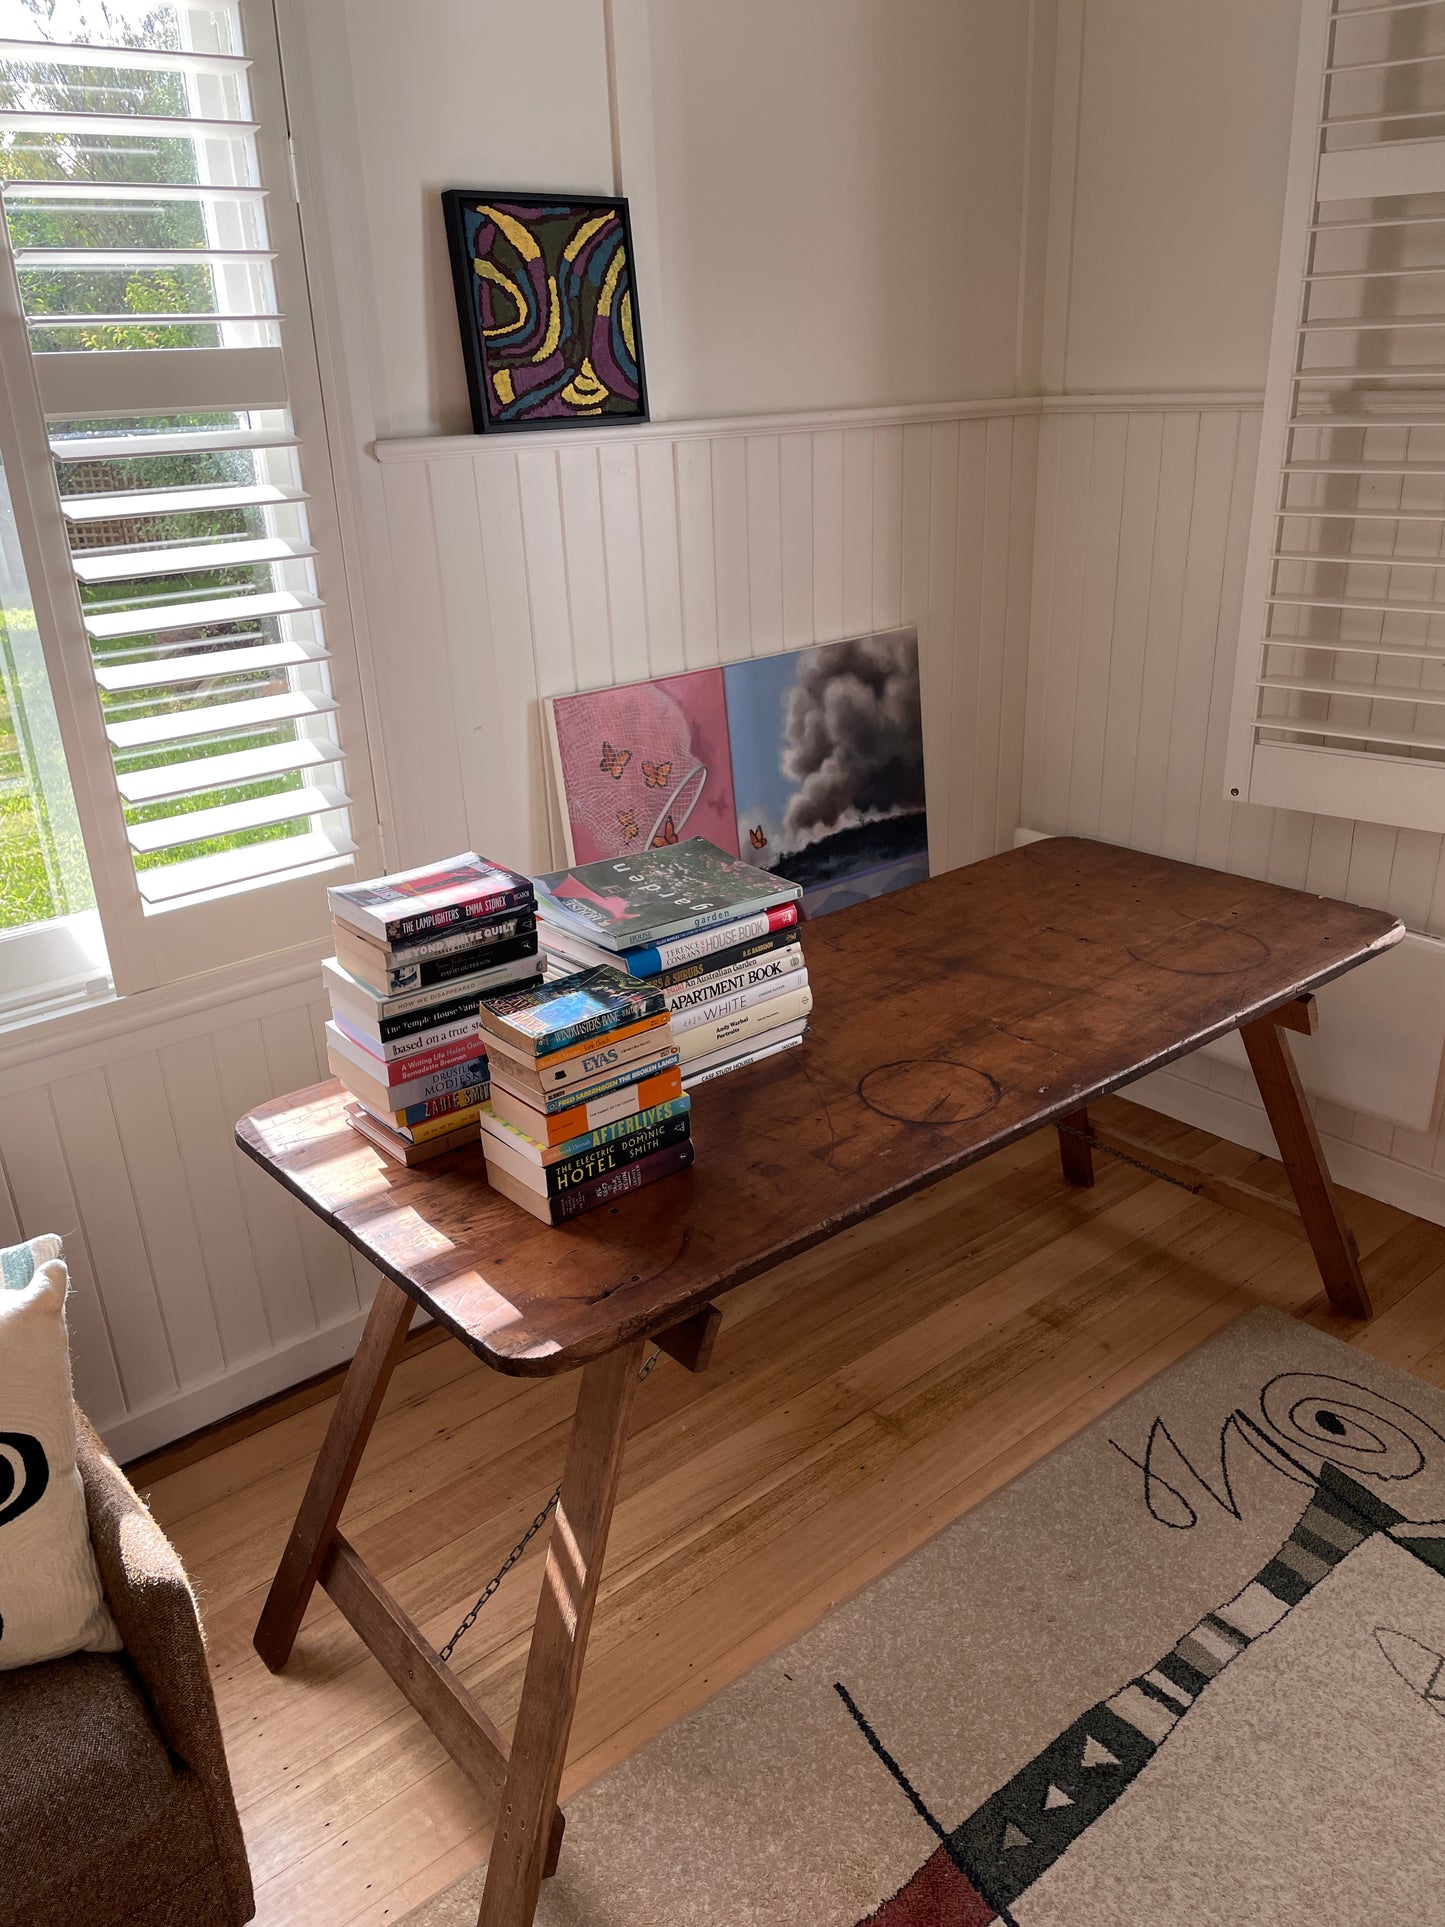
[622, 901]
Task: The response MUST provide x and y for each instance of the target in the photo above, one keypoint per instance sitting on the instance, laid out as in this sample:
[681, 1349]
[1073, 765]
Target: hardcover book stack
[587, 1103]
[716, 937]
[415, 955]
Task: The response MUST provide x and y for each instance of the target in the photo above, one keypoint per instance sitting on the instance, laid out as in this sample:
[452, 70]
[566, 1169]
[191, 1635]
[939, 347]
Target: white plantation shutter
[1339, 701]
[160, 367]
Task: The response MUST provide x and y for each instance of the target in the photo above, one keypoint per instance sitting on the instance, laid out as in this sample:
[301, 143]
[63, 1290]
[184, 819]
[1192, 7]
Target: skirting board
[1390, 1180]
[200, 1405]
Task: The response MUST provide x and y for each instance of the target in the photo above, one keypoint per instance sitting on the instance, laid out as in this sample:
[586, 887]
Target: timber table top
[948, 1019]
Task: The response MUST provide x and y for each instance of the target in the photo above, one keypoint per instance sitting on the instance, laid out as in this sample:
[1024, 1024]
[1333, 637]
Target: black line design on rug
[1024, 1828]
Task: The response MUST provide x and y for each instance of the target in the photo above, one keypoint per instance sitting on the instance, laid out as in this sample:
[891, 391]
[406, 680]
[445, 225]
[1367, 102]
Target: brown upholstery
[115, 1802]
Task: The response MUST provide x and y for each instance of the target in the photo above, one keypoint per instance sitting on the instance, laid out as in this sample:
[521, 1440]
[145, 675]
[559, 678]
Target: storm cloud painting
[547, 309]
[827, 767]
[808, 764]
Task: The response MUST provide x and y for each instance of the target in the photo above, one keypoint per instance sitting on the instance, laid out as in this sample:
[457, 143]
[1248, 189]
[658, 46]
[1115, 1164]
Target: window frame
[260, 920]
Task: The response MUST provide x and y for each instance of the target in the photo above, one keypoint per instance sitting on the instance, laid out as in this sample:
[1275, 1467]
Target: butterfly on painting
[757, 839]
[655, 775]
[628, 820]
[667, 834]
[614, 761]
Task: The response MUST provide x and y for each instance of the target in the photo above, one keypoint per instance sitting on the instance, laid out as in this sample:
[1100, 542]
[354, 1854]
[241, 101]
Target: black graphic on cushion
[24, 1474]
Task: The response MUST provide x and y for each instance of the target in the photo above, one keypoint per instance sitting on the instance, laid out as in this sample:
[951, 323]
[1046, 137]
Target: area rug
[1188, 1669]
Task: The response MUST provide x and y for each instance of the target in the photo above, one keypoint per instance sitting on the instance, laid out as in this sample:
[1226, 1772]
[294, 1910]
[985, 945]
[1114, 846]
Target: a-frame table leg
[559, 1638]
[362, 1391]
[1076, 1156]
[1331, 1239]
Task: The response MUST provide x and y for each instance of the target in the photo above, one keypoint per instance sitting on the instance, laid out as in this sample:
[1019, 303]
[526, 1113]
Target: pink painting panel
[647, 762]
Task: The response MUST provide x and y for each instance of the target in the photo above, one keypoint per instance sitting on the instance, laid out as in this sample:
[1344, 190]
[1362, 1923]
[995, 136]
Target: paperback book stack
[415, 955]
[717, 938]
[587, 1103]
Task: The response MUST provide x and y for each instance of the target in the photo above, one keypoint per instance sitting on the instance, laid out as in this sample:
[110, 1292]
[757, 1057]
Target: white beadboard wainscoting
[1142, 524]
[529, 566]
[197, 1284]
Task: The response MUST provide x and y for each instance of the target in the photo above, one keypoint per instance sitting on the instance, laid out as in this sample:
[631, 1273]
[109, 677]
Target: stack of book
[415, 955]
[718, 938]
[587, 1103]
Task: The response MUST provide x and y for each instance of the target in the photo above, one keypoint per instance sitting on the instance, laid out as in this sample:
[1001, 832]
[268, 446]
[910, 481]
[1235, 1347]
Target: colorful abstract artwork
[547, 309]
[809, 764]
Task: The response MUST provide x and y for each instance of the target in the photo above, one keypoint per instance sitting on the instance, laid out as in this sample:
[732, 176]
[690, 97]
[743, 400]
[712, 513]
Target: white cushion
[50, 1595]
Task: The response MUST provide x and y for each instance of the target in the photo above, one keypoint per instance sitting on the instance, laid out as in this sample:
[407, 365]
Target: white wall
[840, 188]
[1169, 188]
[452, 93]
[829, 196]
[1169, 155]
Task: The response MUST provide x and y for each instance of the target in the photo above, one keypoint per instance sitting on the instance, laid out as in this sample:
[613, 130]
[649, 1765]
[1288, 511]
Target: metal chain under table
[1111, 1150]
[517, 1550]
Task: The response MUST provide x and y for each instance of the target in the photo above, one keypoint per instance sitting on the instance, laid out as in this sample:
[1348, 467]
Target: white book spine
[733, 1029]
[775, 969]
[743, 1058]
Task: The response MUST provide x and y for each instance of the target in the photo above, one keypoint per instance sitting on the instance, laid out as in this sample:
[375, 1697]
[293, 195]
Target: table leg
[1288, 1110]
[1076, 1157]
[362, 1391]
[559, 1638]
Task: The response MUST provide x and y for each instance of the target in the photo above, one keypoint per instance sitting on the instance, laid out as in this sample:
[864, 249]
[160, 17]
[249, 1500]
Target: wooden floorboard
[859, 1399]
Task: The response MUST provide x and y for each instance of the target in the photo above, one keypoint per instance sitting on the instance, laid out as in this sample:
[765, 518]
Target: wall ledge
[429, 448]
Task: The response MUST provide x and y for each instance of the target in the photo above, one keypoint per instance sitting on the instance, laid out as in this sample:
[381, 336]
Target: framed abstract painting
[547, 308]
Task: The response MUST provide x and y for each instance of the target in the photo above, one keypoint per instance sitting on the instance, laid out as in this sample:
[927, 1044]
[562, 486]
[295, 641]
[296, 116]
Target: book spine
[454, 1077]
[547, 1075]
[581, 1169]
[626, 1127]
[564, 1100]
[465, 1097]
[426, 949]
[521, 1047]
[617, 1184]
[725, 983]
[604, 1131]
[409, 1069]
[451, 916]
[442, 971]
[398, 979]
[427, 1010]
[743, 1024]
[435, 1127]
[679, 975]
[671, 951]
[634, 1013]
[734, 1001]
[740, 1062]
[462, 1031]
[349, 1062]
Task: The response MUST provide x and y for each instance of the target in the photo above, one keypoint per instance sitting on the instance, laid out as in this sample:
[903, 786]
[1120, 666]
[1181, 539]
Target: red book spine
[404, 1070]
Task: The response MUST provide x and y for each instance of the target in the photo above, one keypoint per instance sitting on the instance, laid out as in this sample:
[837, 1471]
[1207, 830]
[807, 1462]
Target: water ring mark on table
[929, 1090]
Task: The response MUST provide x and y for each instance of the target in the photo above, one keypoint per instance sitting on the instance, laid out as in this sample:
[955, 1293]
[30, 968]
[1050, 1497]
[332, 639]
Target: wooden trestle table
[948, 1020]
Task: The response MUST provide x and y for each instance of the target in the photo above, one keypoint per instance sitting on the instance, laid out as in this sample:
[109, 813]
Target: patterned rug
[1188, 1669]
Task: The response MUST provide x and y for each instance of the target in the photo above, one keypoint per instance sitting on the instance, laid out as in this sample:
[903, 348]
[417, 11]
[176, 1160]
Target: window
[161, 402]
[1339, 703]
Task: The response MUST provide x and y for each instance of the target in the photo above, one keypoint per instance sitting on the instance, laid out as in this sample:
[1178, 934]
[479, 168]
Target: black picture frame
[488, 418]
